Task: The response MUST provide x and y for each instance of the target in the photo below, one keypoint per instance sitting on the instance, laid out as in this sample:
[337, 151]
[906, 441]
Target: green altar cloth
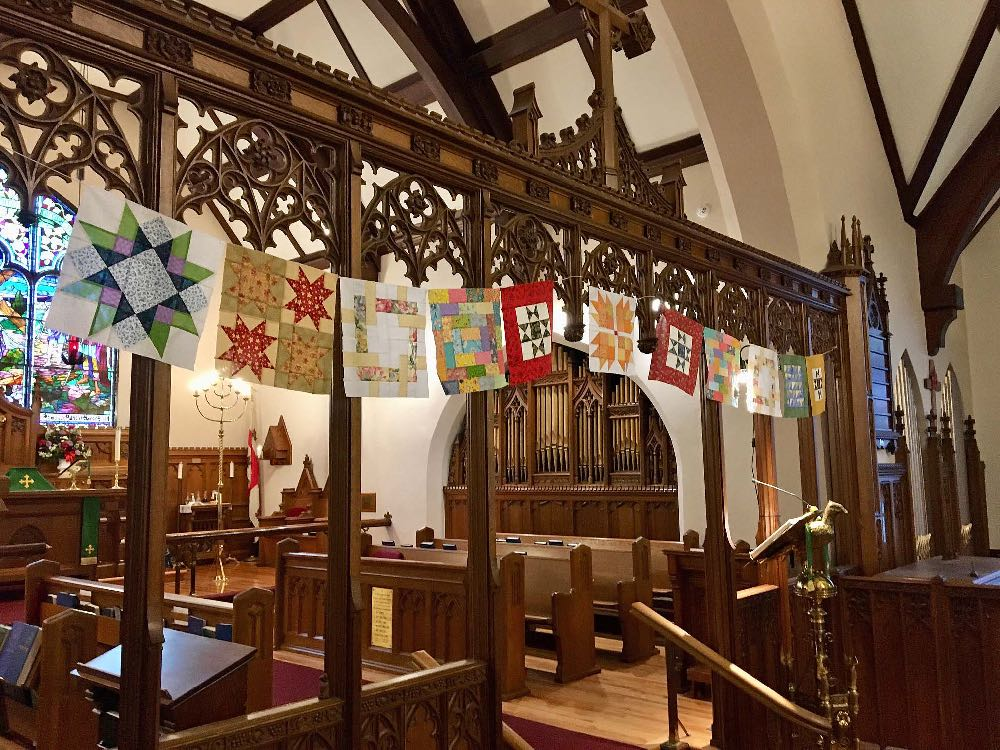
[28, 479]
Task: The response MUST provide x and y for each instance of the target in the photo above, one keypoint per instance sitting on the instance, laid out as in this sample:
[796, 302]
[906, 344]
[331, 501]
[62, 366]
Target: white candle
[232, 470]
[118, 443]
[180, 470]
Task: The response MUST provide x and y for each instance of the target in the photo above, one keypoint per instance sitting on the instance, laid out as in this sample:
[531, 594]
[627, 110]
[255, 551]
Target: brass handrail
[735, 675]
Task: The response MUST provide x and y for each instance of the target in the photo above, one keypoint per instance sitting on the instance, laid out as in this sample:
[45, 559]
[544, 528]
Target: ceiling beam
[974, 53]
[438, 43]
[345, 43]
[948, 223]
[686, 151]
[864, 55]
[269, 15]
[413, 89]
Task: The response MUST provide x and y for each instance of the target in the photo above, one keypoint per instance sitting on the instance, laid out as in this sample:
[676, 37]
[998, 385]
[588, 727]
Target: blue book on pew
[66, 599]
[195, 624]
[388, 543]
[555, 542]
[20, 648]
[427, 545]
[224, 632]
[451, 546]
[513, 540]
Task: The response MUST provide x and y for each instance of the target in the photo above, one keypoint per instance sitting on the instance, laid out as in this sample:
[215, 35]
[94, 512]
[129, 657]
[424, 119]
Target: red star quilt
[527, 327]
[677, 356]
[611, 332]
[276, 321]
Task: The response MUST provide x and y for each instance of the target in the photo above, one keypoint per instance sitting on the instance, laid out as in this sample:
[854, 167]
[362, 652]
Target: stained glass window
[32, 246]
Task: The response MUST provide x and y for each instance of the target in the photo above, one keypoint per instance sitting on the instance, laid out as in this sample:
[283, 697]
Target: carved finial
[945, 427]
[524, 116]
[970, 428]
[931, 424]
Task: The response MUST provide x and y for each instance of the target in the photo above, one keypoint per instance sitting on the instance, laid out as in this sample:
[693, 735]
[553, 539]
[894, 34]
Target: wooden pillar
[773, 571]
[949, 493]
[807, 461]
[975, 472]
[483, 574]
[932, 486]
[342, 644]
[149, 433]
[768, 513]
[860, 544]
[720, 583]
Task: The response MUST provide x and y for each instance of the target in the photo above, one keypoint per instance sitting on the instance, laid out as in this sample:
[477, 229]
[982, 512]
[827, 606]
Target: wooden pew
[429, 610]
[623, 571]
[68, 637]
[251, 614]
[559, 596]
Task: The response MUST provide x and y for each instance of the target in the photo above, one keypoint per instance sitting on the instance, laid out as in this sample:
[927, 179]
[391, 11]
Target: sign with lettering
[381, 617]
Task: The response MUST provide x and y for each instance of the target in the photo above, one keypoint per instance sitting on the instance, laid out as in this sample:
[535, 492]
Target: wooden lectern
[202, 680]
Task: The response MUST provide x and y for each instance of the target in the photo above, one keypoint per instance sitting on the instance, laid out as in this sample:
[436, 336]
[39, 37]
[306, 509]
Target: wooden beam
[687, 151]
[414, 89]
[985, 220]
[438, 43]
[946, 225]
[957, 92]
[345, 43]
[271, 14]
[864, 55]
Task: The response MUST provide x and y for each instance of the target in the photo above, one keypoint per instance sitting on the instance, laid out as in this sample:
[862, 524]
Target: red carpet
[293, 682]
[544, 736]
[11, 610]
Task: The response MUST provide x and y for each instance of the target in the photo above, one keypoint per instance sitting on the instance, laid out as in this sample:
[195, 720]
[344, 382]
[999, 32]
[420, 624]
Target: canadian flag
[254, 464]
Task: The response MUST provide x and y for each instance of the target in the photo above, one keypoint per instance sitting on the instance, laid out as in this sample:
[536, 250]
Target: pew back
[251, 614]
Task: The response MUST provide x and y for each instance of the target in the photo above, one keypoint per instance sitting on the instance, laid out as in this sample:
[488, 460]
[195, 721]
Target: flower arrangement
[62, 444]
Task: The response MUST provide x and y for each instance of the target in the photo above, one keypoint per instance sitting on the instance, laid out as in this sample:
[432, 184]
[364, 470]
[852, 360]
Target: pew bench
[251, 613]
[421, 606]
[622, 574]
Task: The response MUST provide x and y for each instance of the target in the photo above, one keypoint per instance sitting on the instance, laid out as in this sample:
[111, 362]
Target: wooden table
[202, 680]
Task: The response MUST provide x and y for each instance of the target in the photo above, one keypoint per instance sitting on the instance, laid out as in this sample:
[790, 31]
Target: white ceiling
[916, 46]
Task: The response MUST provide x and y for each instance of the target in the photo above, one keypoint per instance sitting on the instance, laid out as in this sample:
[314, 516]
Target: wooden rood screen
[178, 109]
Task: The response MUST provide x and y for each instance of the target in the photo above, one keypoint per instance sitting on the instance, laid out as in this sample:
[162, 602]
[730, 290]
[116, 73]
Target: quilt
[722, 362]
[385, 350]
[468, 334]
[611, 332]
[677, 356]
[794, 391]
[135, 280]
[763, 391]
[276, 321]
[816, 377]
[527, 326]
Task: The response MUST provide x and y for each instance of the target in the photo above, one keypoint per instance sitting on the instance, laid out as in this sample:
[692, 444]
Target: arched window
[33, 242]
[907, 389]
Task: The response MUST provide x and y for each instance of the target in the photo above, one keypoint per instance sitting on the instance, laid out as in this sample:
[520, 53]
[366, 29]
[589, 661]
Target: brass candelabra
[220, 400]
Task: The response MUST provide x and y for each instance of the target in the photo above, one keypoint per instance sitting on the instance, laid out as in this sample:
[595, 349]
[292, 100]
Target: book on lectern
[785, 536]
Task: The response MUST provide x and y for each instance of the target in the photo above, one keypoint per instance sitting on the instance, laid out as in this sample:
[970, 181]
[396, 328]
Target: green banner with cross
[90, 521]
[28, 479]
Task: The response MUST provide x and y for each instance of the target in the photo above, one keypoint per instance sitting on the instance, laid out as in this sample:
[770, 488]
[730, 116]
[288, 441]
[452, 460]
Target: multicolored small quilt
[677, 356]
[764, 390]
[611, 332]
[468, 333]
[276, 321]
[136, 280]
[384, 348]
[722, 362]
[527, 327]
[816, 377]
[794, 391]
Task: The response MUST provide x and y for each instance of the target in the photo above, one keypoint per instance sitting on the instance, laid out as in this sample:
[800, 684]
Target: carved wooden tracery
[285, 124]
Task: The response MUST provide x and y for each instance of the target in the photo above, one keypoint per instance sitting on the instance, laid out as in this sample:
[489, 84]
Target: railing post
[674, 664]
